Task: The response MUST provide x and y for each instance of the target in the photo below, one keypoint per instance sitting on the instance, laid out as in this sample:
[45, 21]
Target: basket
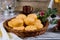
[25, 33]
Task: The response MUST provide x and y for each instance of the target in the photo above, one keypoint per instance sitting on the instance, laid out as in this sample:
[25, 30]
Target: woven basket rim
[24, 34]
[4, 24]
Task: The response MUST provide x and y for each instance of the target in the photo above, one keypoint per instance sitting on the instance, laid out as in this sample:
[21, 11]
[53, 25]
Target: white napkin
[5, 35]
[14, 37]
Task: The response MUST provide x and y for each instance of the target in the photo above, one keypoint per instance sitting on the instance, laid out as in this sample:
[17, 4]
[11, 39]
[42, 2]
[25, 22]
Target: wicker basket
[25, 34]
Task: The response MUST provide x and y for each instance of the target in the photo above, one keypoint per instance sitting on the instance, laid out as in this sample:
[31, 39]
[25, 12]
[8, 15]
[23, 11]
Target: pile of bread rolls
[26, 23]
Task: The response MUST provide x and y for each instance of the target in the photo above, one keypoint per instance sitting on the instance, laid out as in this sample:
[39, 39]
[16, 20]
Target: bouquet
[43, 15]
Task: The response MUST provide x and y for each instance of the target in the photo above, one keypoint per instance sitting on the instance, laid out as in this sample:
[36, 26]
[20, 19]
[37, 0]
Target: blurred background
[18, 4]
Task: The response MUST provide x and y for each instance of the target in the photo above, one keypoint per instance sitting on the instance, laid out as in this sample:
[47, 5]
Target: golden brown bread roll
[38, 21]
[21, 28]
[29, 21]
[15, 23]
[38, 24]
[32, 16]
[21, 16]
[30, 28]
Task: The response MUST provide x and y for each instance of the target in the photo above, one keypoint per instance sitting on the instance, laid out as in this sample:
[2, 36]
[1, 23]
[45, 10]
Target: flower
[41, 13]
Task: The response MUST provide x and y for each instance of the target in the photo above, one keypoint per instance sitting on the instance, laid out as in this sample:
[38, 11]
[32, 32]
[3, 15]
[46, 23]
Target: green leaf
[54, 21]
[49, 11]
[54, 11]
